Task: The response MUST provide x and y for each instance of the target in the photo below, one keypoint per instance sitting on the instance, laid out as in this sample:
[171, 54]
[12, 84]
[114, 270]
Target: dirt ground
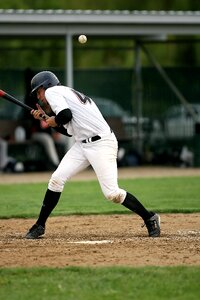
[102, 240]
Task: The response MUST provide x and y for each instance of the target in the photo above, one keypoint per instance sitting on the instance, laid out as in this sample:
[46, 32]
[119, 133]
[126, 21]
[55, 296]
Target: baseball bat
[43, 116]
[14, 100]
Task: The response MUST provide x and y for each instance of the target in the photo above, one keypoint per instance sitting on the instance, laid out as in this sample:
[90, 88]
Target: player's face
[41, 95]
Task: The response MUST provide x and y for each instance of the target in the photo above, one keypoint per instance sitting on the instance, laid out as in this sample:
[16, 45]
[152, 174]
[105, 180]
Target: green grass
[179, 194]
[151, 283]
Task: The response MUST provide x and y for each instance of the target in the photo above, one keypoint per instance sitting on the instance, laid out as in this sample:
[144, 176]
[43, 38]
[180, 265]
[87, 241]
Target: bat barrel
[14, 100]
[2, 93]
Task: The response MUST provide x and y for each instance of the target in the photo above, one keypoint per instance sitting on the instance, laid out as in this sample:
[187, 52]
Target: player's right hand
[39, 114]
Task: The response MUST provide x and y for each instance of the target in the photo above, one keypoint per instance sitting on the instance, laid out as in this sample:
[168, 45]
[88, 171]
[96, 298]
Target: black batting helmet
[43, 79]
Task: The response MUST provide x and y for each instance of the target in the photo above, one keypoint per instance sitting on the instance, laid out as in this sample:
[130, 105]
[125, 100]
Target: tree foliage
[114, 53]
[103, 4]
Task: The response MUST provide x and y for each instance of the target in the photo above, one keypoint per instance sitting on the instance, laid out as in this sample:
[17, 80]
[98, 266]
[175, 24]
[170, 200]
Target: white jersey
[87, 120]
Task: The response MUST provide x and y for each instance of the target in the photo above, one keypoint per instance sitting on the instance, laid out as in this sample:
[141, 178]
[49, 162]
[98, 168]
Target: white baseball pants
[102, 156]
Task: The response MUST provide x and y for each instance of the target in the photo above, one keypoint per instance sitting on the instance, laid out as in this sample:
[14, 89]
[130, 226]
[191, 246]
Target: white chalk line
[92, 242]
[181, 233]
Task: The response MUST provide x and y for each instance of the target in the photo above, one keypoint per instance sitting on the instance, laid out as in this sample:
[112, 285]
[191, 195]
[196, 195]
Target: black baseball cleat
[153, 225]
[35, 232]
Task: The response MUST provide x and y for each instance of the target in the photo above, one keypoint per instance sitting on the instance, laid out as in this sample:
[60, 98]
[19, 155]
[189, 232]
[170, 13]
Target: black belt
[92, 139]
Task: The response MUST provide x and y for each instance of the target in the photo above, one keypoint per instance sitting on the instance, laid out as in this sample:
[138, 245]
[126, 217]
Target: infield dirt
[102, 240]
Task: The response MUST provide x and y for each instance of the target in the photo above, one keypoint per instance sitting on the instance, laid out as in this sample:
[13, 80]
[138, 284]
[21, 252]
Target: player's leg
[151, 219]
[105, 168]
[72, 163]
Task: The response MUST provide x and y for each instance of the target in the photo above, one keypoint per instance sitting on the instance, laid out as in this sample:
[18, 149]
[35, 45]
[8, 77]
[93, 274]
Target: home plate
[92, 242]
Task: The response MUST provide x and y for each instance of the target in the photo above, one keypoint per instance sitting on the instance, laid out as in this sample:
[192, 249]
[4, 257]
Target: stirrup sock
[132, 203]
[50, 201]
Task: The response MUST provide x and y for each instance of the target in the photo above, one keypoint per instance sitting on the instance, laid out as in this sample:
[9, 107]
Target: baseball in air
[82, 39]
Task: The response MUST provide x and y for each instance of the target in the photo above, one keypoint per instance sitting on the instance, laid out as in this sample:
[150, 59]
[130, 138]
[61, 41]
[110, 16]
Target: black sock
[50, 201]
[134, 205]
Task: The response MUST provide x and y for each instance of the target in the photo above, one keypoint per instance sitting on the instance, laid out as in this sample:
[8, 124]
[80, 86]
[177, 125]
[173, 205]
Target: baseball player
[95, 145]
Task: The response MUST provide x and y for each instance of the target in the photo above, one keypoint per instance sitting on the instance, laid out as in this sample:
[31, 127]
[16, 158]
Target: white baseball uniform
[95, 143]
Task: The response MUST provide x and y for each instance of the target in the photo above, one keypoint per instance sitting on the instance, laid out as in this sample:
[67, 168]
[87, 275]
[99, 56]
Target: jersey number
[82, 98]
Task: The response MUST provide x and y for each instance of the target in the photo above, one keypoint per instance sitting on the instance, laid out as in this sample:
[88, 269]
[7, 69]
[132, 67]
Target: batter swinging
[95, 145]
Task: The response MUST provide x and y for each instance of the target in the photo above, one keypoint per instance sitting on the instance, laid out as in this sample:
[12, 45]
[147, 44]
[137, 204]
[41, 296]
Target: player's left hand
[41, 115]
[51, 121]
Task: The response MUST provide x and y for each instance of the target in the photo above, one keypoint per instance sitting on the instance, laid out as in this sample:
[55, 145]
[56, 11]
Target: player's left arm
[57, 122]
[62, 118]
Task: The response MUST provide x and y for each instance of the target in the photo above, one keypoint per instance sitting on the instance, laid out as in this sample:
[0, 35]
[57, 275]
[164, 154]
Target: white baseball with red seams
[87, 122]
[82, 39]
